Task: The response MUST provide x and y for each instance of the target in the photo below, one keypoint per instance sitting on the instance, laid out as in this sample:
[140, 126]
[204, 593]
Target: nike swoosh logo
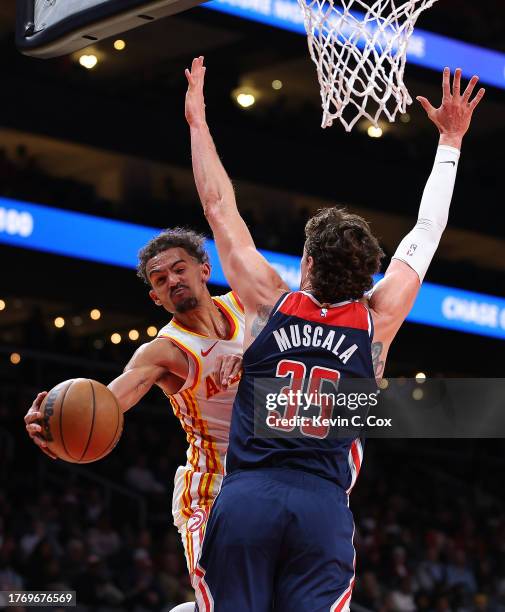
[448, 162]
[205, 353]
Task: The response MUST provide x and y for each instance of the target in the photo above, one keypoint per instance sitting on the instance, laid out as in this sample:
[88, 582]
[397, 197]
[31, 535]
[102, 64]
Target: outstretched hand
[195, 102]
[454, 115]
[33, 427]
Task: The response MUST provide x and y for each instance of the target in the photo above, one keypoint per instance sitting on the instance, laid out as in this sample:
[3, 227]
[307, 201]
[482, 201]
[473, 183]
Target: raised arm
[394, 296]
[248, 272]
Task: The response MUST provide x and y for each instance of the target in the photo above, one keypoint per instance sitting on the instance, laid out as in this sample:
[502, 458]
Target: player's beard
[186, 304]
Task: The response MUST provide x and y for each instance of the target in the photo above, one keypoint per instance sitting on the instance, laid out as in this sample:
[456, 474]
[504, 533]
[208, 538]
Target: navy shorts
[277, 539]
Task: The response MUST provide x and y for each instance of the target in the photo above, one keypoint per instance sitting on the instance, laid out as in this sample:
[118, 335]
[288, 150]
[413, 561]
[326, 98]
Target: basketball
[81, 420]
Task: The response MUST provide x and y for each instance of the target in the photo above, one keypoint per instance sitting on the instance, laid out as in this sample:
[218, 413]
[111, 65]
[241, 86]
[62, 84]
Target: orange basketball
[81, 420]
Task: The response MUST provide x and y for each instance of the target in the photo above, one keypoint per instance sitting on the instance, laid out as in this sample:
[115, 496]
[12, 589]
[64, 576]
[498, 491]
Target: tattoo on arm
[261, 320]
[378, 363]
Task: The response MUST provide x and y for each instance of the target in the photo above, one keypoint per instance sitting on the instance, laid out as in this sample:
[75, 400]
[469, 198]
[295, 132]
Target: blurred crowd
[22, 178]
[426, 540]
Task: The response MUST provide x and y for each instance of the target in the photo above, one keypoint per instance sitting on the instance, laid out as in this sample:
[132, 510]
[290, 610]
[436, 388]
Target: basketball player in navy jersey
[280, 535]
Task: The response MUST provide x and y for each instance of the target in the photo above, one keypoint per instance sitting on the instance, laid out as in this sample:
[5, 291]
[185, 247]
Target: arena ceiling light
[95, 314]
[374, 132]
[15, 358]
[245, 96]
[88, 61]
[245, 100]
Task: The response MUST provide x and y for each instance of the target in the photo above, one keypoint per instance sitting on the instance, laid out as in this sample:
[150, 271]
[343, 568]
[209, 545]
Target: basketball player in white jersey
[196, 361]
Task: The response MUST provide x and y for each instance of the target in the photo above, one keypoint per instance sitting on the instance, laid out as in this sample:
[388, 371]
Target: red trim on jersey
[189, 353]
[229, 317]
[346, 596]
[353, 314]
[355, 457]
[202, 589]
[237, 299]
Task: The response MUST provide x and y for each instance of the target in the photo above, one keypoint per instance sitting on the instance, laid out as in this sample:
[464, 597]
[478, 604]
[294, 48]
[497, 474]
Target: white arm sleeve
[419, 245]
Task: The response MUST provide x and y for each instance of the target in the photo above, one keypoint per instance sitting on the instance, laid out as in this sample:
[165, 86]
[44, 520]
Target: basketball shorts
[194, 494]
[277, 539]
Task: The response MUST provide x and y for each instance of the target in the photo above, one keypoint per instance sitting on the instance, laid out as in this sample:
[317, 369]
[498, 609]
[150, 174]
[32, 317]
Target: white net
[360, 49]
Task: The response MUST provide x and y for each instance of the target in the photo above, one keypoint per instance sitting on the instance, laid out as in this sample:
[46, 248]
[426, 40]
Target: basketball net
[360, 58]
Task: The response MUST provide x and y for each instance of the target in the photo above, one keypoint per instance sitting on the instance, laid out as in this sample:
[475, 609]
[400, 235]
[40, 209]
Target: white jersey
[203, 410]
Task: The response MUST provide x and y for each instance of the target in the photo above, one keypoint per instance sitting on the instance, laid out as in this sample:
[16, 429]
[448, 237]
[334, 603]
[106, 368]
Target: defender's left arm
[393, 297]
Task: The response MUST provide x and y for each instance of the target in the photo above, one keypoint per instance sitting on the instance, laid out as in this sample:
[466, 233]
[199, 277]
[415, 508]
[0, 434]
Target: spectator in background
[459, 574]
[95, 585]
[74, 559]
[402, 599]
[9, 578]
[103, 540]
[94, 505]
[33, 538]
[140, 477]
[141, 586]
[430, 572]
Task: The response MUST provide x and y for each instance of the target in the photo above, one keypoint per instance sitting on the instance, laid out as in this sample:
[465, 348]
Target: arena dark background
[429, 514]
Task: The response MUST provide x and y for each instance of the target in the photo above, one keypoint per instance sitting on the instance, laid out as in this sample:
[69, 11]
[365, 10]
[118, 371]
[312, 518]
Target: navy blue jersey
[303, 345]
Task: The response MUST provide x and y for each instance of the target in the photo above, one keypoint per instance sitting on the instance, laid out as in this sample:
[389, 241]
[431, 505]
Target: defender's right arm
[247, 271]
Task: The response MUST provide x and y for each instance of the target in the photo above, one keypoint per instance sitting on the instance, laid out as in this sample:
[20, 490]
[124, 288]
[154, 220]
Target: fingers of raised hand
[470, 87]
[197, 63]
[197, 67]
[456, 83]
[425, 103]
[446, 84]
[477, 99]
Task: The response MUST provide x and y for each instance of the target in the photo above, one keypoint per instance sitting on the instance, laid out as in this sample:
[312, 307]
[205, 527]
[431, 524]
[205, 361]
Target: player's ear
[154, 297]
[206, 270]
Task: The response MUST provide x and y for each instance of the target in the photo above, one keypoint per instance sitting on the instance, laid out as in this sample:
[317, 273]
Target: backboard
[49, 28]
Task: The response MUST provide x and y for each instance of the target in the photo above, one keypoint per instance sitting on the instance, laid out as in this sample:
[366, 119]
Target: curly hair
[190, 241]
[345, 252]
